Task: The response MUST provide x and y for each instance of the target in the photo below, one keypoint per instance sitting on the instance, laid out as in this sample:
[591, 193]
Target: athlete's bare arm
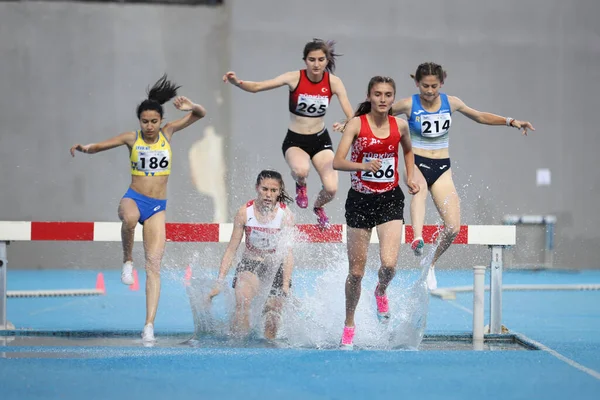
[402, 106]
[239, 223]
[184, 104]
[409, 157]
[485, 117]
[340, 162]
[338, 88]
[127, 138]
[290, 79]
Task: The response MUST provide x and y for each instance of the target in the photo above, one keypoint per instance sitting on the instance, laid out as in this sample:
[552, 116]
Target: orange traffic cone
[100, 283]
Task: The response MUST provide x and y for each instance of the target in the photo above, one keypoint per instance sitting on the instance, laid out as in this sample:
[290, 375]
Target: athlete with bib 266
[307, 139]
[145, 201]
[375, 199]
[429, 116]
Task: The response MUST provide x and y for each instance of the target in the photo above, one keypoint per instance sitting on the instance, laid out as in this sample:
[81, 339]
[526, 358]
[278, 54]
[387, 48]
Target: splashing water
[313, 315]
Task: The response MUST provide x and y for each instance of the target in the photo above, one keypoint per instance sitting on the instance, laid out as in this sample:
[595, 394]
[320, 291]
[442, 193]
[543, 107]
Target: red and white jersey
[367, 147]
[263, 238]
[310, 99]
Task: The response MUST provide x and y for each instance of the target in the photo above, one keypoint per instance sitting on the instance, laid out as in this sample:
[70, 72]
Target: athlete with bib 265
[429, 115]
[307, 139]
[375, 199]
[145, 201]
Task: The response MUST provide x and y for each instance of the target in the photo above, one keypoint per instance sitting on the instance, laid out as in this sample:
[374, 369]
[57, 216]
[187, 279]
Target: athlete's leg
[154, 247]
[272, 313]
[358, 245]
[299, 163]
[129, 214]
[390, 235]
[417, 211]
[323, 162]
[447, 202]
[246, 287]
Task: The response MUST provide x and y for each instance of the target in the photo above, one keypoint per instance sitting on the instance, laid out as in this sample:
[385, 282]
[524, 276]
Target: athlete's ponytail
[365, 106]
[328, 47]
[283, 197]
[162, 91]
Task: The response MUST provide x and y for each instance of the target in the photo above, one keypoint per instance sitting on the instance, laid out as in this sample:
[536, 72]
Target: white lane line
[572, 363]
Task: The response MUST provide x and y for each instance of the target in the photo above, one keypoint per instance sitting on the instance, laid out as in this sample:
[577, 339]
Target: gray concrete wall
[533, 59]
[74, 72]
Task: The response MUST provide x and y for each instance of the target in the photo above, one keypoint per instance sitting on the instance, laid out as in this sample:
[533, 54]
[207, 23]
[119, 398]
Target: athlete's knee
[451, 231]
[355, 277]
[129, 220]
[330, 189]
[387, 271]
[300, 171]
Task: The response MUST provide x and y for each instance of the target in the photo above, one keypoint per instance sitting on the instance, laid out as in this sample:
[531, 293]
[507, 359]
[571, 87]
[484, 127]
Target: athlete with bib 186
[375, 199]
[145, 201]
[307, 139]
[429, 116]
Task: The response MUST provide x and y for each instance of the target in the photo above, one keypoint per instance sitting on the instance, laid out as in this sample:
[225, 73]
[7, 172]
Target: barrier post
[478, 302]
[3, 266]
[496, 290]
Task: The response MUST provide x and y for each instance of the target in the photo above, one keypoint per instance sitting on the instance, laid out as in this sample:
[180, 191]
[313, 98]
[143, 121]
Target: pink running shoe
[417, 246]
[347, 337]
[322, 218]
[383, 307]
[301, 196]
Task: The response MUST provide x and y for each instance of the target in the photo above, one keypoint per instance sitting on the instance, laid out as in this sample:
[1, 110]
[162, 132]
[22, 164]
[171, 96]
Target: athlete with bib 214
[307, 139]
[429, 115]
[145, 201]
[375, 199]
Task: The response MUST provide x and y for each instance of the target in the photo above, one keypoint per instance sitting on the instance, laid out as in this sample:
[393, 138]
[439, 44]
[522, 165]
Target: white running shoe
[148, 333]
[127, 273]
[431, 281]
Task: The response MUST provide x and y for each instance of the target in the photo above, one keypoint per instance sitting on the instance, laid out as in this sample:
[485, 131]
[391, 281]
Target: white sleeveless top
[263, 238]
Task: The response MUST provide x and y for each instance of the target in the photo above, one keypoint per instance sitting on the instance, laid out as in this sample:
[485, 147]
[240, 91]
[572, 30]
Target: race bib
[434, 125]
[153, 161]
[312, 106]
[262, 240]
[386, 173]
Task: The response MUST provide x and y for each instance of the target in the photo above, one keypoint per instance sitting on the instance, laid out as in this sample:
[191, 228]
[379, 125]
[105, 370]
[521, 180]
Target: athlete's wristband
[509, 121]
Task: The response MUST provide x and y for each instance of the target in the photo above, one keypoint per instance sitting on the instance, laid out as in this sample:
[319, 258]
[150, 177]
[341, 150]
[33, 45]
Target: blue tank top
[429, 130]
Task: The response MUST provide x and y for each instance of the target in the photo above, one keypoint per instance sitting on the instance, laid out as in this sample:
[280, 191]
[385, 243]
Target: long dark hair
[429, 68]
[365, 106]
[328, 47]
[272, 174]
[162, 91]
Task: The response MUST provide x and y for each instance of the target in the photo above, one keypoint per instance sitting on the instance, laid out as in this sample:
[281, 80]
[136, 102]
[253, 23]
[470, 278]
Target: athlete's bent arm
[409, 157]
[402, 106]
[289, 78]
[340, 162]
[184, 104]
[127, 138]
[487, 118]
[234, 242]
[338, 88]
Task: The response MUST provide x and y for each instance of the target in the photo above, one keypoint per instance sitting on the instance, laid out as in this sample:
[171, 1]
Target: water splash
[313, 315]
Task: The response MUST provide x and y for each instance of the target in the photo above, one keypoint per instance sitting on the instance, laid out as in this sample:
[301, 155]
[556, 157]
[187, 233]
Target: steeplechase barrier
[496, 237]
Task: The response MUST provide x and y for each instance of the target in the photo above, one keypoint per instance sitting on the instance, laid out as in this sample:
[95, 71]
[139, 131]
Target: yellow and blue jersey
[151, 159]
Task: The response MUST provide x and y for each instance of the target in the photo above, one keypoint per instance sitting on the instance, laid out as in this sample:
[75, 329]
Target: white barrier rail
[496, 237]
